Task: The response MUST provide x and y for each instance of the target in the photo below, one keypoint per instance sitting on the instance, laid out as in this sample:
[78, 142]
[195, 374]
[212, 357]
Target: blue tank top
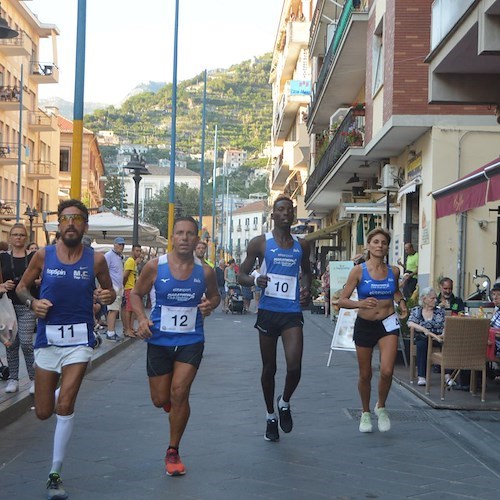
[380, 289]
[282, 265]
[176, 318]
[70, 288]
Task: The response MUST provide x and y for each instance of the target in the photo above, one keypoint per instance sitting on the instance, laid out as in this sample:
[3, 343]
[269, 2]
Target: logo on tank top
[58, 273]
[80, 274]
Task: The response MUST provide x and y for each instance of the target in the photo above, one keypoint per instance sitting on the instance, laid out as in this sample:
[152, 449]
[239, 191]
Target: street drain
[395, 415]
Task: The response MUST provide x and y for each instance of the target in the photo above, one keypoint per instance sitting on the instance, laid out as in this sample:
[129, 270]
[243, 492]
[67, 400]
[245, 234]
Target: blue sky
[126, 46]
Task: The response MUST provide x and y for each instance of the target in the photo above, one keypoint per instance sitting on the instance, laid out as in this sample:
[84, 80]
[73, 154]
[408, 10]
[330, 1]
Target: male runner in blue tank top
[281, 257]
[65, 335]
[185, 291]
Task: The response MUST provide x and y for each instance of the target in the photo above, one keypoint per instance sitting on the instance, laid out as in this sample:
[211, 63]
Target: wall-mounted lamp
[353, 179]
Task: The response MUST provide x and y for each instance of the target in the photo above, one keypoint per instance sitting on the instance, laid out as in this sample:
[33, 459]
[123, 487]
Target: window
[64, 160]
[255, 221]
[148, 193]
[378, 58]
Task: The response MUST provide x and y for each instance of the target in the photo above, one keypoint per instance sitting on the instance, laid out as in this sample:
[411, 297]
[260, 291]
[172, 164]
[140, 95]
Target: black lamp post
[31, 213]
[138, 166]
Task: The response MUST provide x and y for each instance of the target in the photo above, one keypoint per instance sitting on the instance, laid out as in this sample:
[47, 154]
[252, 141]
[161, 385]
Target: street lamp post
[31, 213]
[138, 166]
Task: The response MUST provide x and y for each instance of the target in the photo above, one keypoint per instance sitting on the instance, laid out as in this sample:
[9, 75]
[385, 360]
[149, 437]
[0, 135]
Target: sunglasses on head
[78, 218]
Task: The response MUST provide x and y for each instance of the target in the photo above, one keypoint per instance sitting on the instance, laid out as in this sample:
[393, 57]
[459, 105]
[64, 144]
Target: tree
[186, 203]
[113, 193]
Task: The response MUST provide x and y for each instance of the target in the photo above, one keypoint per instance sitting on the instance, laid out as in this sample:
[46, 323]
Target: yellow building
[92, 164]
[29, 137]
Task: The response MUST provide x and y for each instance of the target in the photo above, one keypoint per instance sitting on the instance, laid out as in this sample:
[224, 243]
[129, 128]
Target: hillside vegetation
[238, 101]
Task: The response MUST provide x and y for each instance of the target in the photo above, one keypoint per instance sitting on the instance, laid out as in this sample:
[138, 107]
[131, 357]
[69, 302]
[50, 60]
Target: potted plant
[358, 108]
[353, 136]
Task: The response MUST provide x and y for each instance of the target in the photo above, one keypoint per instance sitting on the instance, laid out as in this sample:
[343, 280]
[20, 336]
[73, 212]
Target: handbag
[8, 321]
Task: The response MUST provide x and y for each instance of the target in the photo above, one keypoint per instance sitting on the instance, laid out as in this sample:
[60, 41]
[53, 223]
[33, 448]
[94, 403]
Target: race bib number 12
[178, 319]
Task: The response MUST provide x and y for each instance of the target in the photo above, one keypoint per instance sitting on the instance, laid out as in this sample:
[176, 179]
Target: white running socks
[62, 435]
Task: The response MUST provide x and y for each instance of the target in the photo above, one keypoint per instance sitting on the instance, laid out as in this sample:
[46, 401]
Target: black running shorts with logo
[367, 333]
[160, 359]
[273, 324]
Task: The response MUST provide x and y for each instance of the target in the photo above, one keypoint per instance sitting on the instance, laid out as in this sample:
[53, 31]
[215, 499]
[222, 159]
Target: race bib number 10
[66, 335]
[178, 319]
[281, 286]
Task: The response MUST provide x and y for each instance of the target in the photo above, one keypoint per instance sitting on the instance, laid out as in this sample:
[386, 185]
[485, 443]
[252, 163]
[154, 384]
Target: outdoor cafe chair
[413, 355]
[464, 348]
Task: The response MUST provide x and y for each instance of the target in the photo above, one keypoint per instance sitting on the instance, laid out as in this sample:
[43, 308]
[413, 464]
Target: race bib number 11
[66, 335]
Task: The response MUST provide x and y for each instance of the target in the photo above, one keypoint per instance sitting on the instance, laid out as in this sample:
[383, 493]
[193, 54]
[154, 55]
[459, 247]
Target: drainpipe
[462, 237]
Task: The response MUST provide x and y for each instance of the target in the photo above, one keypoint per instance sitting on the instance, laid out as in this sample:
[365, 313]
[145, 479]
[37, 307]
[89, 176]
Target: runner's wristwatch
[28, 303]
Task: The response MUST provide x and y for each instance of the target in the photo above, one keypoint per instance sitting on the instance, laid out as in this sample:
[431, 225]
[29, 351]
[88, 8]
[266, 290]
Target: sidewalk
[12, 406]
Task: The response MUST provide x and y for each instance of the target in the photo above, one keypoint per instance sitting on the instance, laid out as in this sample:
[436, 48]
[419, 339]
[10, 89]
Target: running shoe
[55, 490]
[272, 433]
[173, 464]
[384, 423]
[285, 415]
[365, 424]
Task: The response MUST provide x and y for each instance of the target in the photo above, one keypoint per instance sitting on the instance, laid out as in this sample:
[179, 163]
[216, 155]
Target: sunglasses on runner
[78, 218]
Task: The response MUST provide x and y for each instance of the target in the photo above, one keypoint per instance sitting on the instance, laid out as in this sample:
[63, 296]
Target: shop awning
[369, 208]
[326, 232]
[471, 191]
[409, 187]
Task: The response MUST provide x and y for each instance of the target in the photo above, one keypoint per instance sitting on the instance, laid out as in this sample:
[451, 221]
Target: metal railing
[338, 146]
[9, 93]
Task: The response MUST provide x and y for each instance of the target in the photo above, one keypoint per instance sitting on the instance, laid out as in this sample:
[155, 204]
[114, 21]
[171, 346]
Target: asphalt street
[120, 439]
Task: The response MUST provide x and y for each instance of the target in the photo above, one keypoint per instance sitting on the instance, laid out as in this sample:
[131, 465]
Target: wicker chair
[464, 348]
[413, 355]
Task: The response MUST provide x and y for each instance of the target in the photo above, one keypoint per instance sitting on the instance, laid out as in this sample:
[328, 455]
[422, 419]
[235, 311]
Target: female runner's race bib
[178, 319]
[281, 286]
[391, 323]
[67, 335]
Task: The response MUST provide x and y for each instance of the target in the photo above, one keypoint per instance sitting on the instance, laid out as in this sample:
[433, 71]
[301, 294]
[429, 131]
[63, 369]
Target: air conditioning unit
[389, 176]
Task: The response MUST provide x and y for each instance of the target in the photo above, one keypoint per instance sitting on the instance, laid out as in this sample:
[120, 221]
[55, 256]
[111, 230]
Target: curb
[13, 408]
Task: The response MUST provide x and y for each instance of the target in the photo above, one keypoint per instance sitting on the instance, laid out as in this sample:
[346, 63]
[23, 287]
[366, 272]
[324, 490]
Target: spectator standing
[114, 258]
[325, 283]
[200, 252]
[410, 276]
[219, 272]
[13, 265]
[129, 279]
[229, 279]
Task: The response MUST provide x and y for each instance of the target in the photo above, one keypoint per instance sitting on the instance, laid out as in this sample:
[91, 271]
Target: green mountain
[238, 101]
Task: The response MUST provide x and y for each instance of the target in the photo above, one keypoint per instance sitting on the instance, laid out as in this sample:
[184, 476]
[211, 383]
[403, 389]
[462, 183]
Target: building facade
[378, 146]
[29, 137]
[92, 165]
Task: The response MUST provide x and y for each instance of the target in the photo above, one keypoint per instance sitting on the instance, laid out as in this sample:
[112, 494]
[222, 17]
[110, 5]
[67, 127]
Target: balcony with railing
[40, 169]
[21, 45]
[295, 94]
[464, 62]
[343, 71]
[295, 37]
[330, 148]
[9, 153]
[44, 72]
[10, 98]
[42, 122]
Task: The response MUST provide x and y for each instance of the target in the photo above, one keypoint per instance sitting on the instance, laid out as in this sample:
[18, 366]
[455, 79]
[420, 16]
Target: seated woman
[425, 318]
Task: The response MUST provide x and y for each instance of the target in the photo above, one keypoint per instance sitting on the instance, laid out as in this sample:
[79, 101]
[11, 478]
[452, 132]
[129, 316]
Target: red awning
[471, 191]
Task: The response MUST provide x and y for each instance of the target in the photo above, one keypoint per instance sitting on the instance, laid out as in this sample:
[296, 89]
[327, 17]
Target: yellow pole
[171, 209]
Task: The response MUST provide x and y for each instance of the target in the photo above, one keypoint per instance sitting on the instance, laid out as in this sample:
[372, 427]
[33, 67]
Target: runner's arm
[306, 280]
[105, 293]
[212, 296]
[254, 252]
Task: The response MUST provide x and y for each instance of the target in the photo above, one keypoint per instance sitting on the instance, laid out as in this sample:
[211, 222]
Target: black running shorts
[160, 359]
[273, 324]
[367, 333]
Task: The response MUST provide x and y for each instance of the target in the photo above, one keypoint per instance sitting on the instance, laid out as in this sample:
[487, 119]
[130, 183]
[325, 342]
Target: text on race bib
[281, 286]
[178, 319]
[67, 335]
